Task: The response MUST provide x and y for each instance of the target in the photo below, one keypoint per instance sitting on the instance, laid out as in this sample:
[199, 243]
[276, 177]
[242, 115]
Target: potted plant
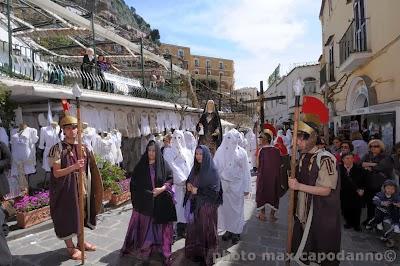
[112, 175]
[121, 193]
[33, 210]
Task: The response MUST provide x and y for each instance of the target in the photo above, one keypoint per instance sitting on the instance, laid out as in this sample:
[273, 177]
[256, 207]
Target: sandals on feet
[88, 247]
[261, 216]
[74, 253]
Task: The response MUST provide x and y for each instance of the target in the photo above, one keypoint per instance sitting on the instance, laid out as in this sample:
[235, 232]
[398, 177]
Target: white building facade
[280, 112]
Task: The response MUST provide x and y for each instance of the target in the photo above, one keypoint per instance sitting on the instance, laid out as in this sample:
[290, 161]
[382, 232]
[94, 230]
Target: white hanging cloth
[49, 136]
[144, 124]
[23, 151]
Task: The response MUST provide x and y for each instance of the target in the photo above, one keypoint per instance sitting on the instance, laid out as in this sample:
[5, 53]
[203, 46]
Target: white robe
[251, 148]
[232, 164]
[48, 138]
[23, 151]
[89, 137]
[180, 160]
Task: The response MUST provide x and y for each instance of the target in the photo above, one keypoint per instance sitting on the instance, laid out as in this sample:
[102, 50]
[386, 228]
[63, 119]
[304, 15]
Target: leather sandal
[88, 247]
[74, 253]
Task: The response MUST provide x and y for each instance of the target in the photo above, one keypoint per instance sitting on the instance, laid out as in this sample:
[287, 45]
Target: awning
[28, 92]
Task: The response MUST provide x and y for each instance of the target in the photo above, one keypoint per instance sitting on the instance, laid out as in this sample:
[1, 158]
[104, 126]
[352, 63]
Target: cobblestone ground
[258, 240]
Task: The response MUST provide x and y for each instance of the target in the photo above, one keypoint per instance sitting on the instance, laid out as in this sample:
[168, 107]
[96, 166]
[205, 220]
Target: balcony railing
[322, 76]
[92, 78]
[354, 40]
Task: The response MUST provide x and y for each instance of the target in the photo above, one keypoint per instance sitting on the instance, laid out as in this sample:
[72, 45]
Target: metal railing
[354, 40]
[26, 64]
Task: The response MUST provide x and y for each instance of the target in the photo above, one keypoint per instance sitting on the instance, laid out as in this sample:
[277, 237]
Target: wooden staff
[81, 183]
[293, 170]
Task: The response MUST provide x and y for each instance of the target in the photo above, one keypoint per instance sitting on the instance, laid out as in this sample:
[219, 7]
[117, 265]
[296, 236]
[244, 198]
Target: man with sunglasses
[317, 227]
[64, 191]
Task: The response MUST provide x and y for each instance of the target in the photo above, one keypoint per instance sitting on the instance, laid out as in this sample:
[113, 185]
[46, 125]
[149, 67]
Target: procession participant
[203, 196]
[285, 163]
[167, 142]
[180, 160]
[64, 204]
[191, 142]
[317, 227]
[268, 188]
[209, 128]
[150, 227]
[251, 148]
[232, 164]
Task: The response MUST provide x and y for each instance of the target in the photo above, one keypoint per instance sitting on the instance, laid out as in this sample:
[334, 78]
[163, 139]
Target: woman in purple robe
[150, 228]
[203, 196]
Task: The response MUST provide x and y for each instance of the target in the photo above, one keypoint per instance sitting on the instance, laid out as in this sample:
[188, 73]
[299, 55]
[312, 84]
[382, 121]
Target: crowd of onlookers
[369, 177]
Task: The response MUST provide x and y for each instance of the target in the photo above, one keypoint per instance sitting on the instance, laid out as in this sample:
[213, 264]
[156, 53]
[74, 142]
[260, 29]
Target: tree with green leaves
[7, 106]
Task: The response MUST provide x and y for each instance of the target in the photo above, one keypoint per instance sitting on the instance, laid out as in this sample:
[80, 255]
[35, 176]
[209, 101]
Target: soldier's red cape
[312, 105]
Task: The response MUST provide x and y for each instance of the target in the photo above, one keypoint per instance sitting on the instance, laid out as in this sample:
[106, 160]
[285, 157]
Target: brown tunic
[325, 231]
[64, 205]
[269, 177]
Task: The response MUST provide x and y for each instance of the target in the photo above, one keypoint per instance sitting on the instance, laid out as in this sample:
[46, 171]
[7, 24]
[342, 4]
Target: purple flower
[29, 203]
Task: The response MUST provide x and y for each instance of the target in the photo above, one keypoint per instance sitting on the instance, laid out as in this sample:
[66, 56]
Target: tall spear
[77, 92]
[298, 86]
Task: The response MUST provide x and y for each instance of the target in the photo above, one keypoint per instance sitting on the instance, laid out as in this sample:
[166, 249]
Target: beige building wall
[377, 78]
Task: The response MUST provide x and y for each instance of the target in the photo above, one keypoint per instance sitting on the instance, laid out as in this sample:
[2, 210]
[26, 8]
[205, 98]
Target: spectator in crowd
[102, 66]
[87, 68]
[336, 147]
[352, 190]
[346, 147]
[379, 169]
[387, 204]
[396, 160]
[321, 143]
[360, 146]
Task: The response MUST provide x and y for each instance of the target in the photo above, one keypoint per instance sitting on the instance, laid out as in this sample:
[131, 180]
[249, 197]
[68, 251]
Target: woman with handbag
[150, 228]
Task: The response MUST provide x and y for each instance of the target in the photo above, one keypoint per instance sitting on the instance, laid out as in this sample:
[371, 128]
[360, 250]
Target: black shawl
[209, 187]
[214, 124]
[162, 207]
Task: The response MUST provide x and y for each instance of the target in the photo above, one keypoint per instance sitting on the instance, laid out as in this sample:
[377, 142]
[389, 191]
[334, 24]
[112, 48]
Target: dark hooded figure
[150, 228]
[203, 196]
[209, 128]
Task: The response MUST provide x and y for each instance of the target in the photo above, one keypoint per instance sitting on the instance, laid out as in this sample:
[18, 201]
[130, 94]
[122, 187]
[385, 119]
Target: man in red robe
[268, 179]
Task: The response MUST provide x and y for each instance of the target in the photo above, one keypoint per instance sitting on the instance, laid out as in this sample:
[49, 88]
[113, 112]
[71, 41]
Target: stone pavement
[259, 240]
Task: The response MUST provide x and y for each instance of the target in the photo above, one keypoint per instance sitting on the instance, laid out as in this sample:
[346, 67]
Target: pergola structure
[59, 31]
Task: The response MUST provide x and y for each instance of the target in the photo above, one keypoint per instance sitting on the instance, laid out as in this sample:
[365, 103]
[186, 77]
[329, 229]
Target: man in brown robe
[64, 191]
[269, 178]
[317, 227]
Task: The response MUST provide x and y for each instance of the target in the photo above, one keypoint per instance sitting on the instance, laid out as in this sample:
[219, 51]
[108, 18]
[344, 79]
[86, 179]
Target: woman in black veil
[203, 196]
[150, 228]
[209, 127]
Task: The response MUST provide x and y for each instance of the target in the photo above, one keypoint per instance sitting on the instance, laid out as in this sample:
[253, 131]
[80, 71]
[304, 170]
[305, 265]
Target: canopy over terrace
[59, 30]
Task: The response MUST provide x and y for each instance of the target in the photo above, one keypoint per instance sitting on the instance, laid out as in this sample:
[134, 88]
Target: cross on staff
[261, 99]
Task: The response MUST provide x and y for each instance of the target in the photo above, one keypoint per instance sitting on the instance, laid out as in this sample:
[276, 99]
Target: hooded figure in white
[251, 148]
[232, 164]
[191, 142]
[180, 160]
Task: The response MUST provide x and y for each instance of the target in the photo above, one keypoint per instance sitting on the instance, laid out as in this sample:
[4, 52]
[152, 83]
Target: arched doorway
[360, 94]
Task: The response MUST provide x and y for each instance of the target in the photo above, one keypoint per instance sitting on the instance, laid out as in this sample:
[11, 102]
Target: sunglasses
[375, 146]
[71, 127]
